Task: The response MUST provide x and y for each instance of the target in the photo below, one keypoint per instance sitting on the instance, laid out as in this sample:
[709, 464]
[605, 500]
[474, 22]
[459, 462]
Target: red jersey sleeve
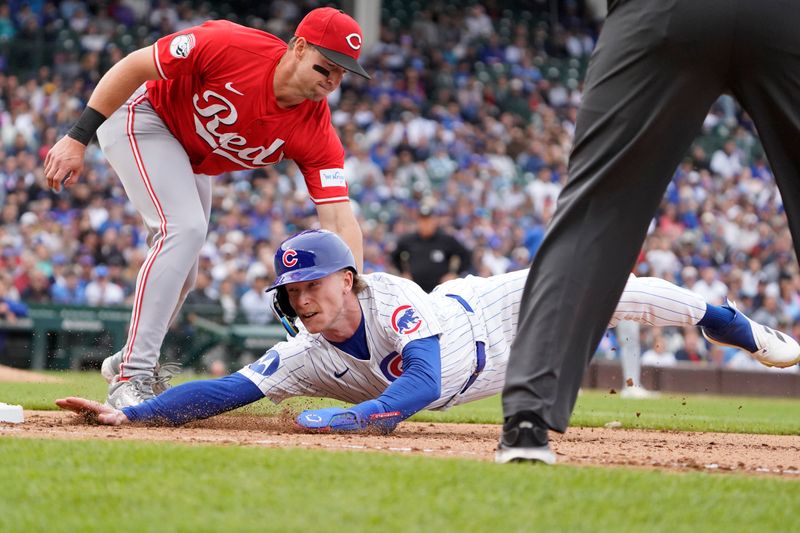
[192, 50]
[320, 156]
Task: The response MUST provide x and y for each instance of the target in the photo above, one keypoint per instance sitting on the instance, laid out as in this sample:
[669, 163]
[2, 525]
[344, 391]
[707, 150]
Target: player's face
[313, 66]
[320, 303]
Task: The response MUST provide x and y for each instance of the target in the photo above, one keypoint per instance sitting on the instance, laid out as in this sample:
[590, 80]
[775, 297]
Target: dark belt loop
[480, 356]
[480, 347]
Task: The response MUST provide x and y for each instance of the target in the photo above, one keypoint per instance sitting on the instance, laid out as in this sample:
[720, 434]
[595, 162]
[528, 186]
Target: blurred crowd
[471, 109]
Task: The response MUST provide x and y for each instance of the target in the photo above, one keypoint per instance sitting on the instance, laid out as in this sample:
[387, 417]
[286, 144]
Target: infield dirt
[668, 450]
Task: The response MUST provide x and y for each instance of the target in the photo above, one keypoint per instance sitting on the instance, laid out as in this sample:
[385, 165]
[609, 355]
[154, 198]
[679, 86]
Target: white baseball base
[11, 413]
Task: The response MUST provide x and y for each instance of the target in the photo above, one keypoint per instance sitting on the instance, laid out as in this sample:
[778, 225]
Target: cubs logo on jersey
[392, 366]
[268, 364]
[405, 320]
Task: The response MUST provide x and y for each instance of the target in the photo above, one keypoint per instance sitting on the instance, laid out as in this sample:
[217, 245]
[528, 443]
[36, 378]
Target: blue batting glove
[338, 419]
[331, 419]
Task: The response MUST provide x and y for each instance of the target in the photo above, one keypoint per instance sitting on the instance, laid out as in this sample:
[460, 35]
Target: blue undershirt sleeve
[196, 400]
[418, 386]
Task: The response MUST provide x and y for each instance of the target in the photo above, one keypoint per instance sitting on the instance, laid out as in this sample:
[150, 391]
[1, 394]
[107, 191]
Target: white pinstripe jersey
[397, 311]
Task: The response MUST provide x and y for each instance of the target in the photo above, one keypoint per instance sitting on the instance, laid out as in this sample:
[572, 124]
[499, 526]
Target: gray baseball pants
[175, 204]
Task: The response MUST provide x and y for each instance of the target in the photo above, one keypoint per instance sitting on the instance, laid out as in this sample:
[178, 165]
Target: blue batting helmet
[310, 255]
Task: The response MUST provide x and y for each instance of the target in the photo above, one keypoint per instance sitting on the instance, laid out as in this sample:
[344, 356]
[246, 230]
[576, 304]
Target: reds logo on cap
[405, 320]
[289, 258]
[354, 40]
[336, 35]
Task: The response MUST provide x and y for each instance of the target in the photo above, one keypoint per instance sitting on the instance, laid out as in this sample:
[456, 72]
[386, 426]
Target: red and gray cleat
[130, 392]
[163, 373]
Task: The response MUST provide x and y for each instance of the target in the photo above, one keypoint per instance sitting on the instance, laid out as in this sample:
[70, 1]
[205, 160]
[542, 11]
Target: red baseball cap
[336, 35]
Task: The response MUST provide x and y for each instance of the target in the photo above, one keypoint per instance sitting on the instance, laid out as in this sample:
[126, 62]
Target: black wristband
[87, 125]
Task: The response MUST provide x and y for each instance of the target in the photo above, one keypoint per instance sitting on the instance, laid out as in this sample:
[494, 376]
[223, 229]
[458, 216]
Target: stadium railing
[64, 337]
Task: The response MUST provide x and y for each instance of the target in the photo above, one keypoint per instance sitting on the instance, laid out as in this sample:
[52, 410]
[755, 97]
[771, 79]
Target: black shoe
[524, 439]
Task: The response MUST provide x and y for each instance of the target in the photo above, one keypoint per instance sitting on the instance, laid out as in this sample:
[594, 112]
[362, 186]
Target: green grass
[681, 412]
[129, 486]
[686, 412]
[594, 408]
[40, 396]
[48, 485]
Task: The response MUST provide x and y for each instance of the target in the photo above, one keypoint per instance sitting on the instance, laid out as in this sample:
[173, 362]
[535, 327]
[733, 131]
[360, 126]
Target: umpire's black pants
[657, 68]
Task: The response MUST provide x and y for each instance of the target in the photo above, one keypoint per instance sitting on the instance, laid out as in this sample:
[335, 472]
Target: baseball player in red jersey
[212, 98]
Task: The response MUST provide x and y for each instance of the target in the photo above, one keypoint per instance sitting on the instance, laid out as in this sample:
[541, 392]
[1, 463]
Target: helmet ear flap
[282, 300]
[284, 311]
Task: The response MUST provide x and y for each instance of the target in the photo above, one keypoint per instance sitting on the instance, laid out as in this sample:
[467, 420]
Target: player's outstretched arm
[92, 410]
[187, 402]
[196, 400]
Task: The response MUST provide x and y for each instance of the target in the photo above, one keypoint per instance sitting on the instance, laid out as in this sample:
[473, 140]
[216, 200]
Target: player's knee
[192, 235]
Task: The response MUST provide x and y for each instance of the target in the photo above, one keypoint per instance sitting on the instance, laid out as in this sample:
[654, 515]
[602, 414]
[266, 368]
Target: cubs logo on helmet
[405, 320]
[289, 258]
[392, 366]
[310, 255]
